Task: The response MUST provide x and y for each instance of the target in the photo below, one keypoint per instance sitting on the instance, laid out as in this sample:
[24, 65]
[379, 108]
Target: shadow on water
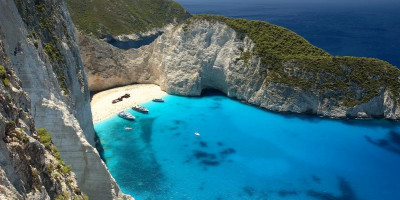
[391, 143]
[138, 169]
[345, 188]
[99, 147]
[147, 129]
[134, 44]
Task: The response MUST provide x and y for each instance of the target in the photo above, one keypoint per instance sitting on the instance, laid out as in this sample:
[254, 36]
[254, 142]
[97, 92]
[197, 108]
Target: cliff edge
[39, 42]
[252, 61]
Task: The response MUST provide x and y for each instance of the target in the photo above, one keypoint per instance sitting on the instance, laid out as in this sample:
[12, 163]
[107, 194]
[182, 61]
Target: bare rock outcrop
[39, 41]
[209, 54]
[28, 169]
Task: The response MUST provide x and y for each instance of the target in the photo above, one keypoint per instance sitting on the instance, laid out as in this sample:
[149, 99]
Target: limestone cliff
[28, 169]
[206, 53]
[39, 41]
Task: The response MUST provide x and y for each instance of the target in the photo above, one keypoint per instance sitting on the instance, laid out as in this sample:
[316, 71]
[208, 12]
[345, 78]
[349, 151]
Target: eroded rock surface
[208, 54]
[39, 41]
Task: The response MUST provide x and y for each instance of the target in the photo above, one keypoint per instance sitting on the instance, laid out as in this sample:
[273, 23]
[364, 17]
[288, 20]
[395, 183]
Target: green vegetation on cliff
[3, 76]
[45, 139]
[118, 17]
[291, 60]
[46, 27]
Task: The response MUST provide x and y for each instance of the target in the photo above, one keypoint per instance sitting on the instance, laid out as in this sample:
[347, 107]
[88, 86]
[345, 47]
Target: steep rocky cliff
[266, 65]
[28, 169]
[39, 41]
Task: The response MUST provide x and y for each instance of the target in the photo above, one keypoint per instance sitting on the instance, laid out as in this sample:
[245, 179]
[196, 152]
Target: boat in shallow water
[126, 115]
[140, 109]
[158, 100]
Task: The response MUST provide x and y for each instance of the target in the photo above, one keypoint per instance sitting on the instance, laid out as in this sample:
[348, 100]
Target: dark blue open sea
[367, 28]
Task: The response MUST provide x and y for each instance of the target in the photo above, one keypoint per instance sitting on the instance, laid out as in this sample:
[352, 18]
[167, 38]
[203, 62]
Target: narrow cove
[247, 153]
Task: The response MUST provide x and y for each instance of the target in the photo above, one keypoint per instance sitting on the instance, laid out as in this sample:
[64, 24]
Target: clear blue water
[247, 153]
[367, 28]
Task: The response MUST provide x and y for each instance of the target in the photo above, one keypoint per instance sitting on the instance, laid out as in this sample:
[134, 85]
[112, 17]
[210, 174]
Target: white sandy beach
[103, 108]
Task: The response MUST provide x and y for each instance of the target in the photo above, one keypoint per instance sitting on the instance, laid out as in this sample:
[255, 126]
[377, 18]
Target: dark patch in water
[345, 188]
[284, 193]
[203, 144]
[178, 122]
[249, 191]
[212, 159]
[147, 129]
[210, 162]
[316, 179]
[395, 138]
[141, 165]
[202, 154]
[220, 144]
[392, 143]
[227, 152]
[173, 128]
[177, 134]
[216, 106]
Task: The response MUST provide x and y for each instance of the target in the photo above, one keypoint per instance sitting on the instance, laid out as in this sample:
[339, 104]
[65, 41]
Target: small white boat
[128, 128]
[158, 100]
[140, 109]
[126, 115]
[197, 133]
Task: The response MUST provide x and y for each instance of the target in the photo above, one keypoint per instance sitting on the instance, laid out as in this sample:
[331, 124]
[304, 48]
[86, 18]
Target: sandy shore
[103, 108]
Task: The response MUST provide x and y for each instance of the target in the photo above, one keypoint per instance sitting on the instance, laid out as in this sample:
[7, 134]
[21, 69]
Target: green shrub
[44, 137]
[25, 139]
[3, 72]
[53, 52]
[77, 191]
[6, 82]
[66, 169]
[64, 196]
[35, 172]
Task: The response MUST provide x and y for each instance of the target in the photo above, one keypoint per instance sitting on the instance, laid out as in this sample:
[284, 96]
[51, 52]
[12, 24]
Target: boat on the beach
[126, 115]
[140, 109]
[121, 98]
[158, 100]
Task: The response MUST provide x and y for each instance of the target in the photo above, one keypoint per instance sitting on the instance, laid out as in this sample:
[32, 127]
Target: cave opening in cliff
[211, 92]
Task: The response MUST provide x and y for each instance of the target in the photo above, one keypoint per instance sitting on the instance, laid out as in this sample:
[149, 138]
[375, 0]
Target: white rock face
[67, 117]
[206, 55]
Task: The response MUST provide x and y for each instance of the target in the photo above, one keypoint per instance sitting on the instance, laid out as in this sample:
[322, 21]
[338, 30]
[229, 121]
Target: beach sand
[103, 108]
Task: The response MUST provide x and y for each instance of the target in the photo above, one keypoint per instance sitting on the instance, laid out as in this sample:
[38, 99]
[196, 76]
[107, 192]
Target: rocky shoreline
[207, 55]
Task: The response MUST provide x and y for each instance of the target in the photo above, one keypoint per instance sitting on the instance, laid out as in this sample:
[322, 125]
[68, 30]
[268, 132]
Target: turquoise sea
[244, 152]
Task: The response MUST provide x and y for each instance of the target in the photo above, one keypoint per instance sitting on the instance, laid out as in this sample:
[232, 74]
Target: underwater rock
[392, 143]
[345, 188]
[284, 193]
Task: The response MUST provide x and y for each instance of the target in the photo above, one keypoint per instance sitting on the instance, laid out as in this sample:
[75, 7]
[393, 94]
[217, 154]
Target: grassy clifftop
[116, 17]
[291, 60]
